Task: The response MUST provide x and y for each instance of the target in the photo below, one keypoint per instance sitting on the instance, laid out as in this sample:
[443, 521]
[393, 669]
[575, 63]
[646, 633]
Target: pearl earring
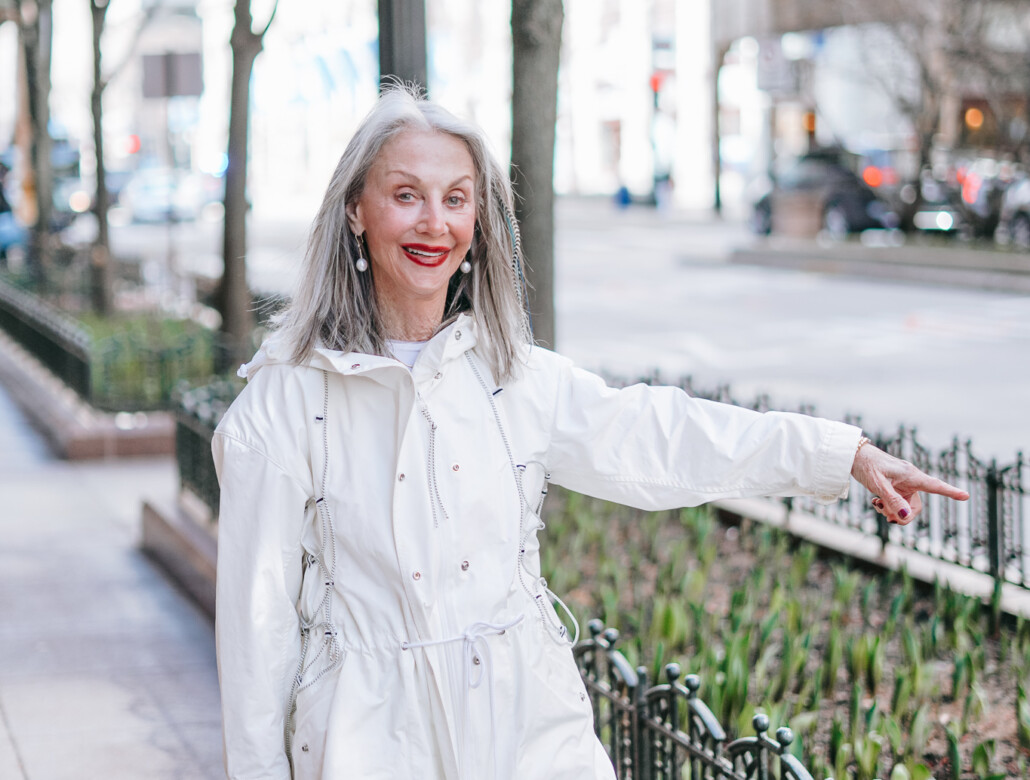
[465, 266]
[361, 263]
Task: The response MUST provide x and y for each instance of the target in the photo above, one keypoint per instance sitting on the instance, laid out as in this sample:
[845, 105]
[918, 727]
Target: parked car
[982, 186]
[822, 186]
[940, 208]
[163, 194]
[1014, 221]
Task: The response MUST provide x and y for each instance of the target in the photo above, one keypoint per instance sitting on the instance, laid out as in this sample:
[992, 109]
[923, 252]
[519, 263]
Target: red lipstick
[424, 254]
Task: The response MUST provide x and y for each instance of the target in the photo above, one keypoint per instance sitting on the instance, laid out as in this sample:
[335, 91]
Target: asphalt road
[639, 290]
[649, 294]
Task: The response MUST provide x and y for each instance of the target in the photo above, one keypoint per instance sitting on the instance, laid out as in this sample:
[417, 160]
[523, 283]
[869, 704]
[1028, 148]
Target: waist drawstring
[476, 653]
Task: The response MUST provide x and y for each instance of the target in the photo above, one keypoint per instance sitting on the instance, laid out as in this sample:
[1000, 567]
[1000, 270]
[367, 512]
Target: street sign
[172, 74]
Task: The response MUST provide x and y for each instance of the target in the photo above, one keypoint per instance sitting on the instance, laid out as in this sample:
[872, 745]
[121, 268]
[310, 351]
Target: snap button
[457, 335]
[464, 565]
[455, 467]
[475, 660]
[400, 477]
[356, 365]
[304, 748]
[416, 576]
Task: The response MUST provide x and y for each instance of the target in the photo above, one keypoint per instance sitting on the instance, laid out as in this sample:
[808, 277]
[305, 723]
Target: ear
[357, 225]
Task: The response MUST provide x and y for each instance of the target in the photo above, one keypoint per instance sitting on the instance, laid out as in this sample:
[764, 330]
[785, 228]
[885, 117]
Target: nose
[432, 220]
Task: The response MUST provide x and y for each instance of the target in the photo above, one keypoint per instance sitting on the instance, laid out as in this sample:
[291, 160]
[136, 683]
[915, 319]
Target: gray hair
[334, 305]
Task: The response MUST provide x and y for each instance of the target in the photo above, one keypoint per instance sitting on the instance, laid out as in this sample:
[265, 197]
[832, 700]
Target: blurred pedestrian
[380, 609]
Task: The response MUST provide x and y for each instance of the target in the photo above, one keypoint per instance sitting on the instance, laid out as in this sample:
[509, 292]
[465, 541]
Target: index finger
[928, 484]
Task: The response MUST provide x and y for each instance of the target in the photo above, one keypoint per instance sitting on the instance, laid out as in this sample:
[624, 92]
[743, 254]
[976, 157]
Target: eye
[405, 197]
[455, 200]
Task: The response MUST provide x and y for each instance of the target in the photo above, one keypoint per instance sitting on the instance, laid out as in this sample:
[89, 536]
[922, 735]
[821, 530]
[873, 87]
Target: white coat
[391, 512]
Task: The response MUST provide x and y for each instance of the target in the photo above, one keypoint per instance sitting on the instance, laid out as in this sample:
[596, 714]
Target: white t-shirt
[406, 351]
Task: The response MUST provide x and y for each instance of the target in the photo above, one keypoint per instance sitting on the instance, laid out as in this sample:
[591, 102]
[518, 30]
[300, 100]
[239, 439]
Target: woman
[380, 608]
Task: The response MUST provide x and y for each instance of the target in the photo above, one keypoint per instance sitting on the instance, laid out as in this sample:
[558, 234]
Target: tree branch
[275, 7]
[148, 17]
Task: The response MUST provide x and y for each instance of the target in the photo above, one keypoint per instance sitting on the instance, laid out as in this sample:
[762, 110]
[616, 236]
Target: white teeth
[422, 253]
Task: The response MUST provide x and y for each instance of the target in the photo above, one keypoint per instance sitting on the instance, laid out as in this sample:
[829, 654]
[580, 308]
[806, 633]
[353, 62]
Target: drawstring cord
[476, 653]
[556, 628]
[324, 630]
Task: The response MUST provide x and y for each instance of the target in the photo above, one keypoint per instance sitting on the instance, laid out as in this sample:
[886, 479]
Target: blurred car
[939, 208]
[1014, 222]
[164, 195]
[72, 197]
[13, 238]
[821, 182]
[982, 186]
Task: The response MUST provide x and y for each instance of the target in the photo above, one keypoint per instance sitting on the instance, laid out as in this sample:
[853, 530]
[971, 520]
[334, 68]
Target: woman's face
[418, 214]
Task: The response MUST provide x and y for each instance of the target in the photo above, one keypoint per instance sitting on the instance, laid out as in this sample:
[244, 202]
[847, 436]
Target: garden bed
[879, 677]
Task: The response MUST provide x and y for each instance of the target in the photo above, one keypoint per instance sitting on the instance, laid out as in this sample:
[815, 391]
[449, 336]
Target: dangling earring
[361, 263]
[465, 266]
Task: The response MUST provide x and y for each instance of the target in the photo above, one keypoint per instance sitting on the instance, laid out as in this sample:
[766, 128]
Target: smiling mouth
[426, 255]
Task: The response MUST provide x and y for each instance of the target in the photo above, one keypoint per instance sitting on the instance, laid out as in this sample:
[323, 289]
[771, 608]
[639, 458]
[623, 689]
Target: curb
[185, 546]
[75, 429]
[993, 271]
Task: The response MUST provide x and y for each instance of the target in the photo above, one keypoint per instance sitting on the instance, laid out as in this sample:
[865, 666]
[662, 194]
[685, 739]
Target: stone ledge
[863, 547]
[185, 546]
[75, 429]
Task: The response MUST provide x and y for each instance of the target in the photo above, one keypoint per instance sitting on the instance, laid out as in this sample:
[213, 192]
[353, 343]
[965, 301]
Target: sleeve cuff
[835, 459]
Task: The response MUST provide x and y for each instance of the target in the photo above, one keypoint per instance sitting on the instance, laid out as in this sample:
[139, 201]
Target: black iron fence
[664, 731]
[196, 418]
[57, 341]
[990, 533]
[124, 372]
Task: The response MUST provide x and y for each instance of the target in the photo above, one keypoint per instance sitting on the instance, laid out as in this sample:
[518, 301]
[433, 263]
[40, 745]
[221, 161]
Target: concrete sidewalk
[106, 670]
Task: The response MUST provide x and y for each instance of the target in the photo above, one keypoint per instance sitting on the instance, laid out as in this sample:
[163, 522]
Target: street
[660, 295]
[639, 290]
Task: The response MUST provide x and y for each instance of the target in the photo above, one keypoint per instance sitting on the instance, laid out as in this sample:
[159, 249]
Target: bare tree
[925, 55]
[995, 51]
[536, 27]
[233, 298]
[102, 272]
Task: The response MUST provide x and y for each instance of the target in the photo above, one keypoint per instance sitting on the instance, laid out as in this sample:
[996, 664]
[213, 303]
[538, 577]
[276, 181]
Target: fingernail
[903, 514]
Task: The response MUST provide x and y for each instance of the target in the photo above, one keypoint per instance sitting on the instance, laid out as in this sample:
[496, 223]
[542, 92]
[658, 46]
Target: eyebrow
[409, 174]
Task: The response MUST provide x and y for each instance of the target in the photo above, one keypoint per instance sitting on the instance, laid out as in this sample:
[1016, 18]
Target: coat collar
[452, 341]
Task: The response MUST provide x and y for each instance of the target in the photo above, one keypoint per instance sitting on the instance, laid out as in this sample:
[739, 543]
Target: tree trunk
[402, 41]
[37, 36]
[718, 59]
[102, 281]
[536, 43]
[233, 297]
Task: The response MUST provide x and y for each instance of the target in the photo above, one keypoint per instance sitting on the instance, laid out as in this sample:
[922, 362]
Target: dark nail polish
[903, 514]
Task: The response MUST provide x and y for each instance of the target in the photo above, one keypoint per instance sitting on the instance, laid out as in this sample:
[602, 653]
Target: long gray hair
[334, 305]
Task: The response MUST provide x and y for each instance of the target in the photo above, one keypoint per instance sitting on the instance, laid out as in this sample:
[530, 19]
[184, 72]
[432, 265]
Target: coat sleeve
[660, 448]
[257, 628]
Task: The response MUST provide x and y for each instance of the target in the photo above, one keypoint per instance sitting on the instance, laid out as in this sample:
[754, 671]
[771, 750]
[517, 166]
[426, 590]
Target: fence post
[995, 537]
